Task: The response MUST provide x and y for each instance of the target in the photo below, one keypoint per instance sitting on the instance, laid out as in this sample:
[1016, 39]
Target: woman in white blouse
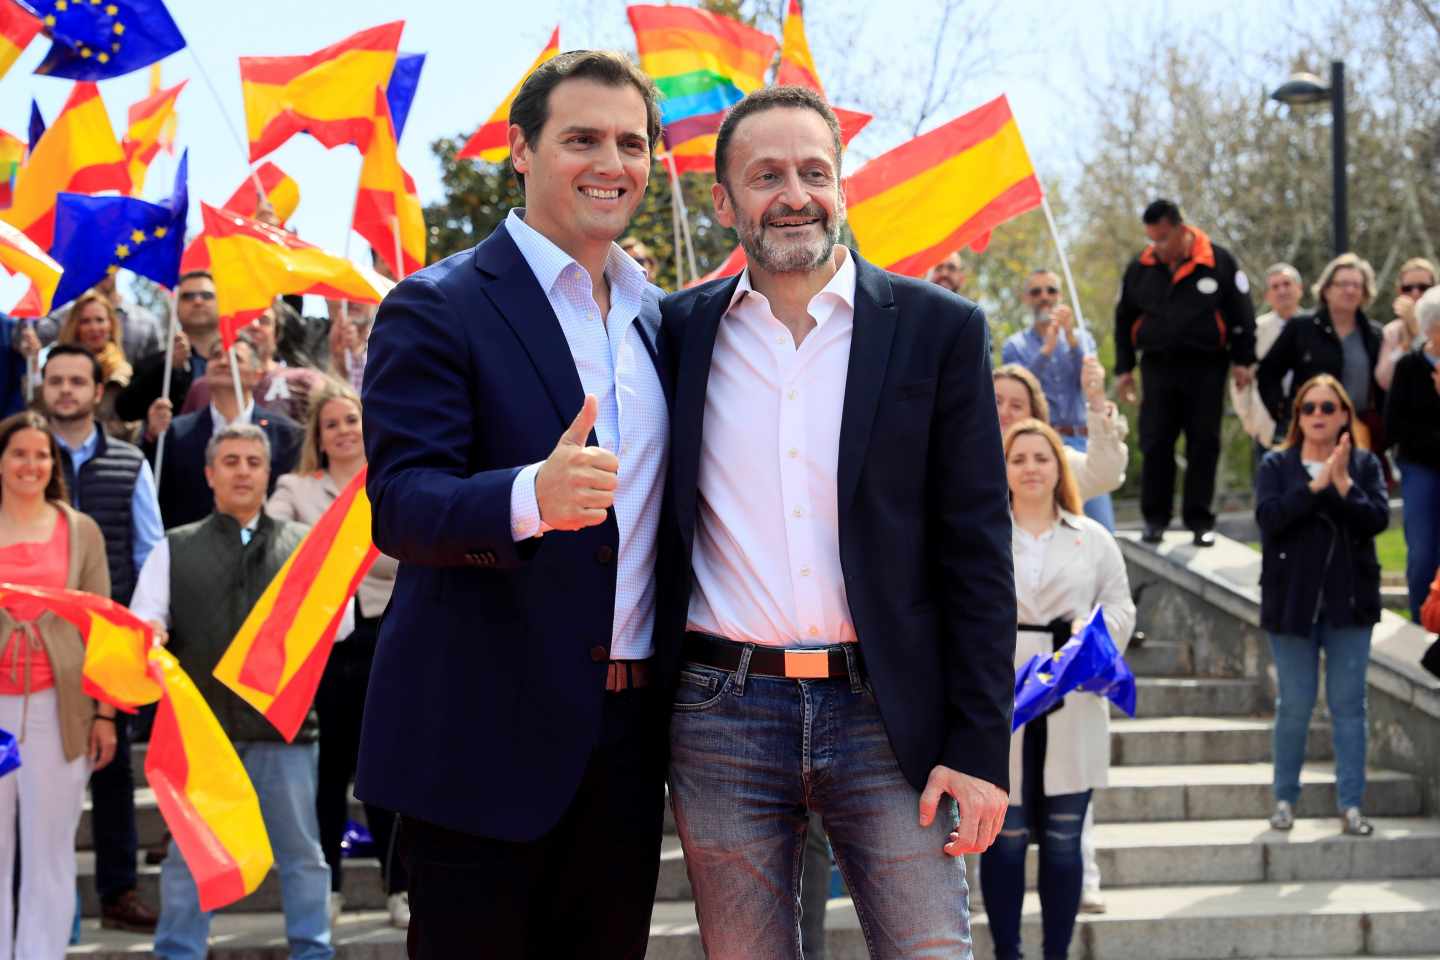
[334, 452]
[1065, 564]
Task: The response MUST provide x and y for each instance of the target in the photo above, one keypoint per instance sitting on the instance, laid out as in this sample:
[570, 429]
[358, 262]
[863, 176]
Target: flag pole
[679, 241]
[225, 115]
[399, 250]
[235, 379]
[678, 198]
[30, 364]
[165, 391]
[1064, 260]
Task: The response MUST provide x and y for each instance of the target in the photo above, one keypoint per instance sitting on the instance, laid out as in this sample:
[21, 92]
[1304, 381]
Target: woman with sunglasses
[1320, 501]
[1402, 334]
[1412, 417]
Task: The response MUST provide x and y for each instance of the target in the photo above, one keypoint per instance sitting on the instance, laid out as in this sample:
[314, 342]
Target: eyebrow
[598, 132]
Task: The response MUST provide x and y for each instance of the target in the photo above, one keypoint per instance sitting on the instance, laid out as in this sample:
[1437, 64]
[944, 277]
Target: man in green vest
[199, 584]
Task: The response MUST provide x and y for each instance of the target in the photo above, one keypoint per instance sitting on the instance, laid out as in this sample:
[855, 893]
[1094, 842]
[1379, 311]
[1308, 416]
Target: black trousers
[340, 705]
[584, 890]
[112, 820]
[1180, 395]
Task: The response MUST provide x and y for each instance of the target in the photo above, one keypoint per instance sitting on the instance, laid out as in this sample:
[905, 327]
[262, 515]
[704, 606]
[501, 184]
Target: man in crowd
[1283, 290]
[196, 589]
[948, 273]
[1185, 309]
[842, 519]
[183, 494]
[199, 321]
[109, 480]
[517, 646]
[283, 385]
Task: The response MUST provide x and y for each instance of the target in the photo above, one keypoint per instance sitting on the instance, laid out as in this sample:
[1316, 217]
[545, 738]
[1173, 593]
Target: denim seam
[852, 668]
[743, 670]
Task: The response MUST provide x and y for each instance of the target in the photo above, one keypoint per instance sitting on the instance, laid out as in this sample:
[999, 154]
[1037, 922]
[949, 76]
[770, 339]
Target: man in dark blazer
[843, 641]
[512, 717]
[184, 495]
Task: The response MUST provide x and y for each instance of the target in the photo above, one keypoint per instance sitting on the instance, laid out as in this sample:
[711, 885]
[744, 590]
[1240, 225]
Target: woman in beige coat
[63, 734]
[1065, 565]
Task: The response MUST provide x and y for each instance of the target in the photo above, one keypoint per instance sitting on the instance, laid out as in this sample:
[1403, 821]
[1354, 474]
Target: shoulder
[271, 420]
[189, 423]
[187, 531]
[289, 533]
[123, 450]
[299, 484]
[682, 302]
[85, 527]
[1277, 460]
[1088, 530]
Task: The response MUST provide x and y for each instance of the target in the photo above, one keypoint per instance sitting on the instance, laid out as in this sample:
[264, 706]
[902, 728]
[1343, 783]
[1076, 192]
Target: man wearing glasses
[199, 319]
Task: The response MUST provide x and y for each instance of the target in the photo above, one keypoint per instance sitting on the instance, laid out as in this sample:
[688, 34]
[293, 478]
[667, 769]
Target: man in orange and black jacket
[1185, 309]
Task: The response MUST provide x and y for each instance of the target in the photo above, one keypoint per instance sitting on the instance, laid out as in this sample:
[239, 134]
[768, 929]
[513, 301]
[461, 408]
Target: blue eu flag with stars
[100, 39]
[1089, 662]
[98, 236]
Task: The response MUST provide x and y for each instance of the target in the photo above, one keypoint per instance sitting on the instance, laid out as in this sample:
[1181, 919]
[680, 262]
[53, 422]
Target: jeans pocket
[700, 688]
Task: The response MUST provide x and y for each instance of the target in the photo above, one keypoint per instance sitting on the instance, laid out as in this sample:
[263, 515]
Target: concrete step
[1160, 658]
[1197, 697]
[150, 826]
[1239, 791]
[1175, 740]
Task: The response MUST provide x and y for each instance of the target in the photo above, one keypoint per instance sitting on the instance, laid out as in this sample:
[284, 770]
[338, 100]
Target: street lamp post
[1306, 88]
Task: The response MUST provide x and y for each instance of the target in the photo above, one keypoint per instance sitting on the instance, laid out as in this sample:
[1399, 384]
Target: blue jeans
[1420, 488]
[1297, 667]
[284, 777]
[1002, 876]
[749, 757]
[1100, 509]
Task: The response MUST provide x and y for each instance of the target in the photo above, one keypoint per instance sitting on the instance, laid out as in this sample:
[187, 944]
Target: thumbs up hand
[576, 484]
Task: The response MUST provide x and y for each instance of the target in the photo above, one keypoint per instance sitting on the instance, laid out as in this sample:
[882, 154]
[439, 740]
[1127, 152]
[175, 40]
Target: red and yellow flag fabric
[20, 254]
[281, 192]
[275, 661]
[387, 208]
[946, 189]
[728, 267]
[253, 263]
[200, 783]
[17, 29]
[491, 142]
[78, 154]
[797, 67]
[151, 121]
[12, 155]
[326, 94]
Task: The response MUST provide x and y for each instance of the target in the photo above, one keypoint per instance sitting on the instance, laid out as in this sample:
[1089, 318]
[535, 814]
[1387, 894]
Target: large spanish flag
[914, 206]
[77, 154]
[275, 661]
[17, 29]
[19, 254]
[387, 209]
[326, 94]
[797, 68]
[150, 121]
[253, 263]
[491, 142]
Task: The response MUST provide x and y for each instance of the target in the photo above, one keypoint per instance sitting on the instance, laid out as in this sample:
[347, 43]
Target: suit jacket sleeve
[976, 576]
[420, 428]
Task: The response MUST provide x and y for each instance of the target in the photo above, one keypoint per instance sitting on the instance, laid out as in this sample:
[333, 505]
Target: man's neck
[75, 432]
[224, 403]
[1287, 312]
[789, 294]
[591, 255]
[1184, 252]
[202, 340]
[244, 518]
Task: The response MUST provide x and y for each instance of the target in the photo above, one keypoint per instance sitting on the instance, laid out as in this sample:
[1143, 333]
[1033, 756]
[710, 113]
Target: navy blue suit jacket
[486, 692]
[924, 514]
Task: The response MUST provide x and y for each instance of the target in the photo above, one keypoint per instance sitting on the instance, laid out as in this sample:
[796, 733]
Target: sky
[1050, 53]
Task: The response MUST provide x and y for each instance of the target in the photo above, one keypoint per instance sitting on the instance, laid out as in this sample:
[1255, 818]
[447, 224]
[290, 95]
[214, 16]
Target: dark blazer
[1412, 411]
[489, 675]
[1318, 549]
[924, 514]
[185, 497]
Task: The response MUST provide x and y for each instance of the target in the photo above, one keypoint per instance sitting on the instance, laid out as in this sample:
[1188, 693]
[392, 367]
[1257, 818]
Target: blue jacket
[1318, 548]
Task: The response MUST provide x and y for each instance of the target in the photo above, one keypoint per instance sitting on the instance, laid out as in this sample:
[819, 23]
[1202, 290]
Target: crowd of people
[825, 550]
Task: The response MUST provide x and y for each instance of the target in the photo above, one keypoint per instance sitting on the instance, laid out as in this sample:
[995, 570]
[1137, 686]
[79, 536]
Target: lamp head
[1302, 88]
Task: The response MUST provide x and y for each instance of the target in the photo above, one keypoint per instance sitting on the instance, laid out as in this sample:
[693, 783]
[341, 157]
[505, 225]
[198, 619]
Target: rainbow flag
[387, 209]
[491, 142]
[797, 68]
[275, 661]
[326, 94]
[77, 154]
[12, 154]
[17, 28]
[152, 120]
[946, 189]
[703, 64]
[20, 254]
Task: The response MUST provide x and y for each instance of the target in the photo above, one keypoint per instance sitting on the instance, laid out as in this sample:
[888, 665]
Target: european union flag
[400, 91]
[97, 236]
[1089, 661]
[9, 752]
[99, 39]
[37, 124]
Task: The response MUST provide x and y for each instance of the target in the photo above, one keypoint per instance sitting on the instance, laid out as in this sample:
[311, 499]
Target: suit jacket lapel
[692, 377]
[874, 331]
[648, 326]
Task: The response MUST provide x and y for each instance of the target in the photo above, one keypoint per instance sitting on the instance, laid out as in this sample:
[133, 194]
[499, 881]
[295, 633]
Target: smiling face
[1012, 402]
[341, 437]
[238, 477]
[1317, 426]
[782, 190]
[586, 171]
[92, 326]
[26, 464]
[1031, 469]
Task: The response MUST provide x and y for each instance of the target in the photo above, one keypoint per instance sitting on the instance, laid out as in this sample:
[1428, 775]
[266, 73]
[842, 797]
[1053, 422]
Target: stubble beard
[790, 258]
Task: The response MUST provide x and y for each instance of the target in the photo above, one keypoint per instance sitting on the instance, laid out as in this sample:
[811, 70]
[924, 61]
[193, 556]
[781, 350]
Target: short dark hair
[30, 420]
[74, 350]
[531, 106]
[769, 98]
[1162, 210]
[194, 274]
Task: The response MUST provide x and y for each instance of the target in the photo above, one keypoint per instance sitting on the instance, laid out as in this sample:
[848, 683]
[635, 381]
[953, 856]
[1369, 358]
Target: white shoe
[337, 903]
[1092, 902]
[399, 906]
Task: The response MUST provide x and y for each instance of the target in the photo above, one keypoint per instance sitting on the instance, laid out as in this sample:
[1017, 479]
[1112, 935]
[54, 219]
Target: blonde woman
[1401, 335]
[94, 324]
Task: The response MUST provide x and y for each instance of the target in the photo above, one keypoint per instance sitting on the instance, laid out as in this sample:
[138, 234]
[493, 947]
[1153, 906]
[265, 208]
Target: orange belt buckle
[807, 664]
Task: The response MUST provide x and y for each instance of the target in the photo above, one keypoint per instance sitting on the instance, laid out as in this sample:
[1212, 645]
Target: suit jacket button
[605, 555]
[599, 654]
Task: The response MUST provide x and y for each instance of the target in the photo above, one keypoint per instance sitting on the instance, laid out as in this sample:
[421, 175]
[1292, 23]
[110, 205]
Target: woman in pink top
[63, 734]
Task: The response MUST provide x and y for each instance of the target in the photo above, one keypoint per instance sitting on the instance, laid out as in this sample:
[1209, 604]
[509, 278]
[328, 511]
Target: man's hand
[982, 809]
[1092, 381]
[102, 742]
[180, 350]
[1243, 376]
[1052, 336]
[158, 417]
[1064, 316]
[27, 342]
[576, 485]
[162, 634]
[1125, 388]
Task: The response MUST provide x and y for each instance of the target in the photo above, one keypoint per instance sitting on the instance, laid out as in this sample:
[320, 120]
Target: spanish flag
[17, 29]
[200, 784]
[387, 209]
[281, 192]
[253, 263]
[797, 68]
[19, 254]
[275, 661]
[12, 155]
[491, 142]
[150, 121]
[78, 154]
[946, 189]
[326, 94]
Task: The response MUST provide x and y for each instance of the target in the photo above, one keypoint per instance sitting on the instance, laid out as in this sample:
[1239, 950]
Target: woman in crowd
[63, 734]
[1402, 334]
[1065, 564]
[92, 323]
[1412, 420]
[1320, 501]
[333, 453]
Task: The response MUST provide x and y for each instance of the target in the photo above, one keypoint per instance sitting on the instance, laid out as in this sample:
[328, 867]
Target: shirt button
[804, 571]
[793, 453]
[780, 340]
[793, 395]
[814, 630]
[797, 512]
[604, 555]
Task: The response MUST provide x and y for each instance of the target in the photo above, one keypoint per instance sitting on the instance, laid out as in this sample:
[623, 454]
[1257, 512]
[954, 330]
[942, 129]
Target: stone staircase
[1191, 869]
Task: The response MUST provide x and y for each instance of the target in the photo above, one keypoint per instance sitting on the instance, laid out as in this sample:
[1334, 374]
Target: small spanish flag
[387, 209]
[491, 142]
[17, 29]
[150, 119]
[275, 661]
[19, 254]
[797, 68]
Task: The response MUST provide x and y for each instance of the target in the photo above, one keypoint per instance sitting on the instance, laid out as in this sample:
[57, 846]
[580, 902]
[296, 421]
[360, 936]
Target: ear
[210, 475]
[519, 149]
[724, 206]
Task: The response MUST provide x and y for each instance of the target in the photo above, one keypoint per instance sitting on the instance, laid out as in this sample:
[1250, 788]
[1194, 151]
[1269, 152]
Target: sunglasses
[1414, 288]
[197, 295]
[1036, 291]
[1325, 406]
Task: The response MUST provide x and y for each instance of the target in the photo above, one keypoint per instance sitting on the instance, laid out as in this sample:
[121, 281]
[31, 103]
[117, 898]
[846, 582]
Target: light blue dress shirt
[1059, 373]
[144, 503]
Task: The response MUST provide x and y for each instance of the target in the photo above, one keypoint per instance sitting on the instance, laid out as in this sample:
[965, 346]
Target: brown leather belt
[819, 663]
[621, 675]
[1081, 431]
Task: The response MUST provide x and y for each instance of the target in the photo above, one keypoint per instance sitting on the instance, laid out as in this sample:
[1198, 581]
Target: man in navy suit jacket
[843, 630]
[512, 717]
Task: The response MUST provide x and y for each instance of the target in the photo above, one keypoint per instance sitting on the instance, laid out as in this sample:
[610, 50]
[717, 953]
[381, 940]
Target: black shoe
[1204, 538]
[1153, 533]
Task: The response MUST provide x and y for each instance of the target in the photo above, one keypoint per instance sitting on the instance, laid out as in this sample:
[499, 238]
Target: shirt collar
[840, 289]
[547, 261]
[87, 449]
[218, 419]
[1063, 518]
